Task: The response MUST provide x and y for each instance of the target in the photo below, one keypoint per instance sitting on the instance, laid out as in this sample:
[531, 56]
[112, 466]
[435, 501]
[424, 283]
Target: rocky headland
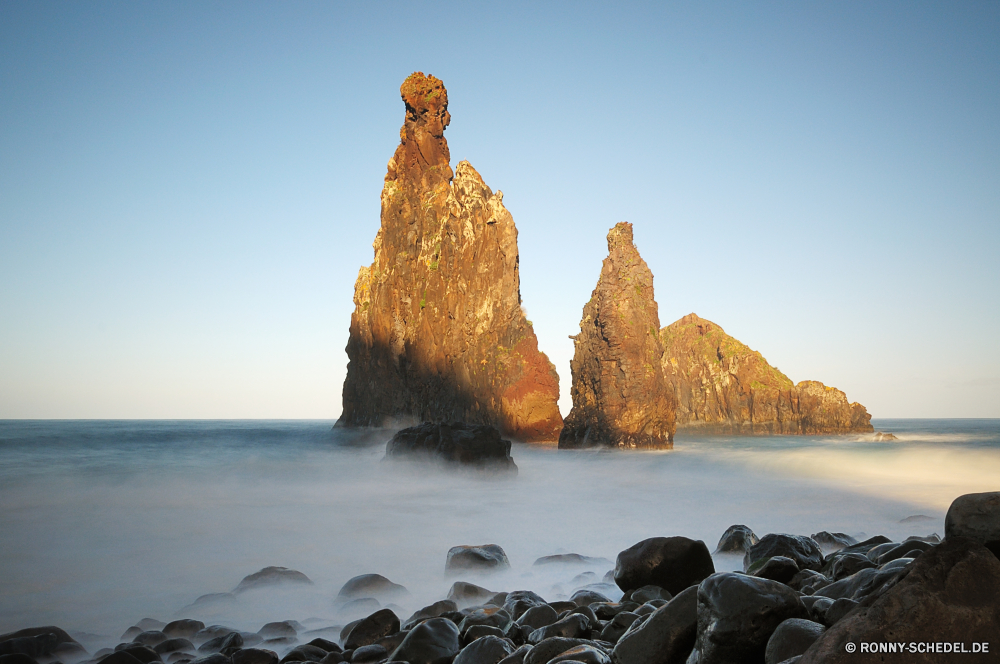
[722, 386]
[620, 396]
[438, 333]
[820, 598]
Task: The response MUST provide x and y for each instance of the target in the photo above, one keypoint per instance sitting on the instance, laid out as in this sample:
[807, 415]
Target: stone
[184, 628]
[573, 626]
[120, 657]
[19, 658]
[837, 610]
[491, 617]
[881, 437]
[538, 616]
[948, 594]
[849, 564]
[304, 653]
[570, 559]
[519, 601]
[34, 646]
[672, 563]
[585, 654]
[277, 629]
[271, 576]
[434, 641]
[516, 657]
[325, 644]
[792, 637]
[481, 558]
[211, 632]
[721, 386]
[254, 656]
[373, 586]
[736, 539]
[173, 645]
[468, 594]
[220, 643]
[833, 541]
[371, 629]
[470, 445]
[620, 397]
[543, 652]
[902, 551]
[433, 611]
[585, 597]
[371, 653]
[144, 654]
[438, 332]
[217, 658]
[151, 638]
[648, 593]
[665, 637]
[803, 550]
[618, 626]
[977, 517]
[777, 568]
[737, 615]
[485, 650]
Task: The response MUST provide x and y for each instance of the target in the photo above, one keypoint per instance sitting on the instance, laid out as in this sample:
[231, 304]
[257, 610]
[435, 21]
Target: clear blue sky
[188, 189]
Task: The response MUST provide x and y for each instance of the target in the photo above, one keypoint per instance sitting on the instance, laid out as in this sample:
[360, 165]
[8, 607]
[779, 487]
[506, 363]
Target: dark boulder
[803, 550]
[304, 653]
[220, 643]
[121, 657]
[618, 626]
[647, 593]
[144, 654]
[672, 563]
[948, 594]
[491, 617]
[374, 586]
[432, 611]
[573, 626]
[737, 615]
[519, 601]
[836, 611]
[777, 568]
[665, 637]
[271, 576]
[34, 646]
[570, 559]
[372, 653]
[174, 645]
[151, 638]
[848, 564]
[834, 541]
[792, 637]
[482, 558]
[549, 648]
[584, 654]
[481, 631]
[183, 629]
[217, 658]
[254, 656]
[485, 650]
[977, 517]
[736, 539]
[538, 616]
[465, 594]
[369, 630]
[475, 445]
[516, 657]
[585, 597]
[434, 641]
[20, 659]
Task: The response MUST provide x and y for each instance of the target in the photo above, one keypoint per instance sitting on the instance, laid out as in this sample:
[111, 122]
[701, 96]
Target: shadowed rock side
[438, 333]
[620, 397]
[722, 386]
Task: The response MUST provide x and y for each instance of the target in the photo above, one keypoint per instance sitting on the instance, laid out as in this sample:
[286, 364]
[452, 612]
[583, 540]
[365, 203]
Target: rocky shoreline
[798, 599]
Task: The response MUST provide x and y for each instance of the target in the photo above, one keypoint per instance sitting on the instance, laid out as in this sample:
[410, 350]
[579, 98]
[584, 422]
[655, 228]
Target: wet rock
[948, 593]
[586, 597]
[834, 541]
[482, 558]
[373, 586]
[212, 632]
[304, 653]
[325, 644]
[570, 559]
[837, 610]
[516, 657]
[492, 617]
[723, 386]
[22, 659]
[876, 551]
[736, 539]
[369, 630]
[803, 550]
[435, 641]
[573, 626]
[543, 652]
[977, 517]
[620, 397]
[902, 551]
[849, 564]
[122, 657]
[585, 654]
[217, 658]
[881, 437]
[792, 637]
[142, 653]
[372, 653]
[737, 615]
[519, 601]
[432, 611]
[467, 594]
[538, 616]
[438, 333]
[151, 638]
[392, 641]
[665, 637]
[485, 650]
[777, 568]
[173, 645]
[672, 563]
[617, 626]
[220, 643]
[130, 634]
[151, 625]
[808, 577]
[254, 656]
[272, 576]
[647, 593]
[183, 629]
[474, 445]
[34, 646]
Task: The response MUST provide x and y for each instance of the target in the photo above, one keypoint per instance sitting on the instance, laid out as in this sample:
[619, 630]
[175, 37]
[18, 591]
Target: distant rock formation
[722, 386]
[620, 396]
[438, 333]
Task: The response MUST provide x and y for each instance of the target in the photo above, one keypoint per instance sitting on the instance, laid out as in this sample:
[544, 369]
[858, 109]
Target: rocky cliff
[620, 396]
[722, 386]
[438, 333]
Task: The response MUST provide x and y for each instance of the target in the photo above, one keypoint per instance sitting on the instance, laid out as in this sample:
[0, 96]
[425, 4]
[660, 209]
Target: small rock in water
[151, 638]
[672, 563]
[573, 626]
[173, 645]
[184, 628]
[271, 576]
[570, 559]
[432, 611]
[476, 445]
[917, 518]
[884, 437]
[736, 539]
[467, 594]
[372, 585]
[587, 597]
[833, 541]
[481, 558]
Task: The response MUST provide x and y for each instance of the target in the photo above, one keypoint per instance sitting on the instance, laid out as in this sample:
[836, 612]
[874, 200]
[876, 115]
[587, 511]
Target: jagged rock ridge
[438, 333]
[620, 396]
[722, 386]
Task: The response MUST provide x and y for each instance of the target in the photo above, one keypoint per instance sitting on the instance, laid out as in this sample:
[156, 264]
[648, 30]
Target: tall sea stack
[620, 396]
[438, 333]
[722, 386]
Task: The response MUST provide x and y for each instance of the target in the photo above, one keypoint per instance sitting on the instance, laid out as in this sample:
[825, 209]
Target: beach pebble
[792, 637]
[777, 568]
[665, 637]
[803, 550]
[485, 650]
[573, 626]
[369, 630]
[736, 539]
[184, 628]
[672, 563]
[429, 642]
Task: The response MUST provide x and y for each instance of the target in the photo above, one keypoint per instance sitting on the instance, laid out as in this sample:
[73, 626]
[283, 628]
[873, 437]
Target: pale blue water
[103, 523]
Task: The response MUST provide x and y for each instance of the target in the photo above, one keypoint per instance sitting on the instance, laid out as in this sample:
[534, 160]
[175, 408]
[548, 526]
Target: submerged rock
[271, 576]
[476, 558]
[620, 397]
[466, 444]
[722, 386]
[438, 333]
[373, 586]
[736, 539]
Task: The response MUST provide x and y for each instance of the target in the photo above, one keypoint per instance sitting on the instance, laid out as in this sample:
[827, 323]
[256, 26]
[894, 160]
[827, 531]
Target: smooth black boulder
[485, 650]
[304, 653]
[777, 568]
[549, 648]
[476, 558]
[271, 576]
[737, 615]
[435, 641]
[947, 594]
[792, 637]
[34, 646]
[174, 645]
[665, 637]
[473, 445]
[672, 563]
[834, 541]
[184, 628]
[369, 630]
[254, 656]
[465, 594]
[431, 611]
[519, 601]
[848, 564]
[538, 616]
[371, 653]
[586, 597]
[573, 626]
[584, 654]
[977, 517]
[803, 550]
[736, 539]
[150, 638]
[374, 586]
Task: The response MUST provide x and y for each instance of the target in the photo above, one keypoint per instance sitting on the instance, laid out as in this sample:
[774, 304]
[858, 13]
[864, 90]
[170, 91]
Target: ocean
[103, 523]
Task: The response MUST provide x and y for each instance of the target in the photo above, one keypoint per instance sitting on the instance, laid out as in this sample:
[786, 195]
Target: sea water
[103, 523]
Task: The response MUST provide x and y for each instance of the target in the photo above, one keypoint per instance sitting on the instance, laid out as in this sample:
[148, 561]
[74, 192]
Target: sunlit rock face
[722, 386]
[620, 397]
[438, 333]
